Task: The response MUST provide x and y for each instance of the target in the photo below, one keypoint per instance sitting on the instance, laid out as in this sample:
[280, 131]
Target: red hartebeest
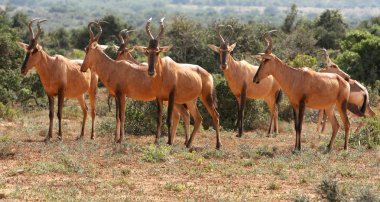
[307, 88]
[124, 53]
[176, 84]
[121, 78]
[238, 75]
[358, 102]
[60, 77]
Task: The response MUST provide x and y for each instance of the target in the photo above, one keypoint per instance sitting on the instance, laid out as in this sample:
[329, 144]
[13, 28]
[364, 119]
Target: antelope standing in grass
[60, 77]
[238, 75]
[358, 102]
[180, 85]
[124, 53]
[307, 88]
[121, 78]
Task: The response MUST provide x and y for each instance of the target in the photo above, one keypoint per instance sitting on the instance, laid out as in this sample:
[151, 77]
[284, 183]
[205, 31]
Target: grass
[252, 168]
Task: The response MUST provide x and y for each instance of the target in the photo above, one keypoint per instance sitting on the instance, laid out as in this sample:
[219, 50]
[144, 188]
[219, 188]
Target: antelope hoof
[120, 140]
[239, 135]
[188, 144]
[170, 143]
[79, 137]
[218, 146]
[47, 139]
[59, 138]
[296, 151]
[185, 142]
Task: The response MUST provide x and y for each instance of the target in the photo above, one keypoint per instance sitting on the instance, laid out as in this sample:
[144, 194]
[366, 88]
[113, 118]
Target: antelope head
[224, 50]
[92, 45]
[153, 50]
[266, 59]
[122, 50]
[332, 67]
[33, 54]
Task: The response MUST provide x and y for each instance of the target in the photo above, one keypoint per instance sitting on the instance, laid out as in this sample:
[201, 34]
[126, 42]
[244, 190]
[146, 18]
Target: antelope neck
[285, 75]
[44, 65]
[232, 67]
[103, 65]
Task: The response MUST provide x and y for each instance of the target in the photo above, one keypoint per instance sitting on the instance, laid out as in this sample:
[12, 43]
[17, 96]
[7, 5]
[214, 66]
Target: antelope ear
[140, 48]
[259, 58]
[116, 47]
[131, 50]
[94, 45]
[103, 47]
[165, 48]
[213, 48]
[39, 48]
[23, 45]
[231, 48]
[268, 56]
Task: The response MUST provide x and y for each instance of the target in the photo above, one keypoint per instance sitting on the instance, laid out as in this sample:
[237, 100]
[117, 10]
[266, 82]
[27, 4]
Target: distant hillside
[73, 13]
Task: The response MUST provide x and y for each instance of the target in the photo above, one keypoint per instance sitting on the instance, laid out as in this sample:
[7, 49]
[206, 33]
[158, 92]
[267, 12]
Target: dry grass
[250, 168]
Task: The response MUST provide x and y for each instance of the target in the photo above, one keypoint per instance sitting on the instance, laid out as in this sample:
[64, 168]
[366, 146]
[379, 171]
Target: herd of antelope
[179, 85]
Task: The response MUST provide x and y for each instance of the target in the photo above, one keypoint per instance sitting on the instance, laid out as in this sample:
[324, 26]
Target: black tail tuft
[279, 96]
[364, 106]
[214, 98]
[353, 108]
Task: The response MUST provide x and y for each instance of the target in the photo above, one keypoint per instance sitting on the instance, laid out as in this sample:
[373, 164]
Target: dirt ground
[251, 168]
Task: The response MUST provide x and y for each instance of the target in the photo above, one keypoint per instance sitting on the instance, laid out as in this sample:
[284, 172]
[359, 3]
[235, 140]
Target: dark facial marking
[256, 77]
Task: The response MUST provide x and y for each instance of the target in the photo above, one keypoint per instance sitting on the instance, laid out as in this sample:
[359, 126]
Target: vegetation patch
[155, 154]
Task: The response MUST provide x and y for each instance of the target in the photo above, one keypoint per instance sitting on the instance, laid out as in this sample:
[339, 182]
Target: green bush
[256, 111]
[7, 112]
[154, 154]
[329, 190]
[304, 61]
[141, 117]
[369, 135]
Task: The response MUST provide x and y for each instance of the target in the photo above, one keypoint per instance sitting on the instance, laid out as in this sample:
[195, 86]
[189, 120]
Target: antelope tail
[364, 106]
[279, 95]
[354, 109]
[214, 97]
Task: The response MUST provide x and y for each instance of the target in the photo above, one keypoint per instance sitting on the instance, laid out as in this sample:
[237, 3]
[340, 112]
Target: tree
[330, 28]
[360, 56]
[290, 19]
[12, 86]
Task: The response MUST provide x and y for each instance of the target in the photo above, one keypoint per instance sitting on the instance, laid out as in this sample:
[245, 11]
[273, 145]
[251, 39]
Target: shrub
[140, 117]
[369, 135]
[301, 198]
[328, 189]
[154, 154]
[366, 195]
[7, 112]
[256, 112]
[304, 61]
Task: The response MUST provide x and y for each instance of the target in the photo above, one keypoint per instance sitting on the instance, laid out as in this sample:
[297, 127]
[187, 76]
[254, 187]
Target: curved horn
[162, 29]
[99, 33]
[90, 30]
[220, 35]
[268, 38]
[147, 29]
[232, 33]
[121, 36]
[39, 28]
[126, 37]
[30, 27]
[324, 51]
